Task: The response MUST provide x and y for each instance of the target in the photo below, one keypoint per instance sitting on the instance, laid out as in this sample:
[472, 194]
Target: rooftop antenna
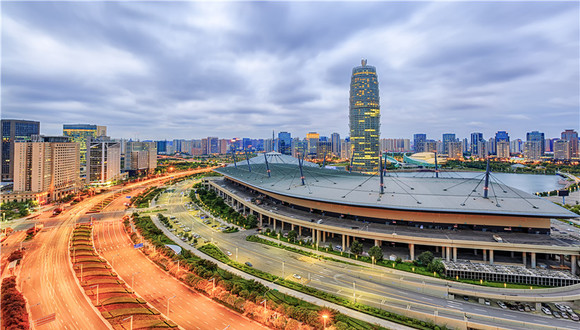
[381, 170]
[267, 167]
[486, 185]
[300, 161]
[234, 156]
[436, 167]
[248, 160]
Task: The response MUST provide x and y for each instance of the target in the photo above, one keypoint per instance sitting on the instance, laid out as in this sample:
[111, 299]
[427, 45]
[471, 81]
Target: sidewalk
[305, 297]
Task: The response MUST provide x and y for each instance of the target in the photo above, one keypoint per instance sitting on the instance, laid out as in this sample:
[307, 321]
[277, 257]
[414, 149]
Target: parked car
[574, 317]
[296, 276]
[546, 311]
[248, 264]
[501, 305]
[557, 314]
[229, 253]
[569, 309]
[487, 302]
[560, 307]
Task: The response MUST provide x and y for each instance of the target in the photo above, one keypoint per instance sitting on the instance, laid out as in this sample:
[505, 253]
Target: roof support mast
[324, 161]
[300, 161]
[267, 166]
[248, 160]
[486, 186]
[436, 167]
[381, 170]
[234, 157]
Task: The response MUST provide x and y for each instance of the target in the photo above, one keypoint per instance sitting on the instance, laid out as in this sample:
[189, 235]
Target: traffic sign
[140, 245]
[127, 196]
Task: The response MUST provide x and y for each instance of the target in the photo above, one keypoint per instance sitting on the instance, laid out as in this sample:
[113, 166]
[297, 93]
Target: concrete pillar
[332, 235]
[475, 251]
[270, 221]
[299, 230]
[377, 242]
[348, 241]
[324, 236]
[525, 259]
[436, 249]
[275, 224]
[261, 219]
[533, 259]
[491, 257]
[562, 259]
[343, 242]
[448, 253]
[573, 264]
[291, 226]
[442, 252]
[512, 254]
[412, 251]
[484, 255]
[454, 254]
[318, 237]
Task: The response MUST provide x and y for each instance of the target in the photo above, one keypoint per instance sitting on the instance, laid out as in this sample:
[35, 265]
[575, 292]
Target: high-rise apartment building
[419, 142]
[140, 156]
[223, 146]
[335, 139]
[571, 136]
[14, 130]
[364, 117]
[104, 159]
[80, 133]
[448, 137]
[312, 139]
[285, 143]
[503, 149]
[475, 138]
[395, 145]
[516, 146]
[538, 137]
[430, 146]
[562, 149]
[454, 150]
[47, 165]
[323, 149]
[532, 150]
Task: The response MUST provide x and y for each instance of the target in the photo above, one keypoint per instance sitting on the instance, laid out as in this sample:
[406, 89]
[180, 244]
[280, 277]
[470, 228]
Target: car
[229, 253]
[527, 308]
[487, 302]
[574, 317]
[249, 264]
[569, 309]
[338, 248]
[546, 311]
[501, 305]
[466, 298]
[521, 308]
[296, 276]
[560, 307]
[565, 315]
[557, 314]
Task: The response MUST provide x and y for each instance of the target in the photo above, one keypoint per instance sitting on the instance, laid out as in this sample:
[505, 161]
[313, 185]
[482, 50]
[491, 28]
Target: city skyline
[520, 71]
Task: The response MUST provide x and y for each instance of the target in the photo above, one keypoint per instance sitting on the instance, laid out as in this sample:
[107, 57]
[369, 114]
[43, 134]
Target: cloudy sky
[151, 70]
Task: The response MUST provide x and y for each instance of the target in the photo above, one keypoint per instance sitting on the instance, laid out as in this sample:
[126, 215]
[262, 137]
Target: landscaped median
[249, 297]
[114, 300]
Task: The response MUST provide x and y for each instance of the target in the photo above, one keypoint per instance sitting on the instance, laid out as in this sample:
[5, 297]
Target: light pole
[131, 324]
[354, 291]
[324, 317]
[283, 275]
[213, 280]
[133, 280]
[236, 254]
[168, 304]
[96, 285]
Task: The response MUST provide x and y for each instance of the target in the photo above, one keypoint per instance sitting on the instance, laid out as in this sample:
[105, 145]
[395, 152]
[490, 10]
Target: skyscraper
[285, 143]
[335, 139]
[475, 138]
[447, 137]
[80, 133]
[364, 117]
[571, 136]
[537, 138]
[12, 131]
[419, 142]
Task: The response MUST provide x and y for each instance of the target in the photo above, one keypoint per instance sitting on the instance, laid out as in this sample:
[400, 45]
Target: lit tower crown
[364, 118]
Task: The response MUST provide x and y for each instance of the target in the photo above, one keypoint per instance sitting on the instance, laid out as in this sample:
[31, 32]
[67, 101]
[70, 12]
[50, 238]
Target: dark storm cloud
[193, 69]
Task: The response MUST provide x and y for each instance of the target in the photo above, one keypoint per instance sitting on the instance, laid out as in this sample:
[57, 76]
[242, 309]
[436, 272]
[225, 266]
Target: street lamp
[324, 317]
[236, 254]
[283, 272]
[168, 304]
[131, 325]
[213, 280]
[133, 280]
[96, 285]
[354, 291]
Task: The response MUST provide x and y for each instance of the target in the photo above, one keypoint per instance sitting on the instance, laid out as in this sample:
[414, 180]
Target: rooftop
[456, 195]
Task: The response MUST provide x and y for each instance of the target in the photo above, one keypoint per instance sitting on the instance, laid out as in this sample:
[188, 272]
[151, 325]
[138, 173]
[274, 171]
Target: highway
[375, 286]
[189, 309]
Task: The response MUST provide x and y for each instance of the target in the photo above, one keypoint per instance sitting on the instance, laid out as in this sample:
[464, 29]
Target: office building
[364, 118]
[345, 148]
[516, 146]
[48, 166]
[312, 139]
[538, 137]
[285, 143]
[533, 150]
[475, 138]
[140, 157]
[80, 133]
[395, 145]
[335, 139]
[14, 130]
[571, 136]
[324, 149]
[104, 159]
[454, 150]
[482, 149]
[503, 149]
[447, 137]
[430, 146]
[562, 149]
[419, 142]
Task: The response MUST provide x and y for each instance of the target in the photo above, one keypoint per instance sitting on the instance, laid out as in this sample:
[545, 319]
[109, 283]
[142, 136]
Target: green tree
[436, 266]
[376, 252]
[425, 258]
[356, 247]
[292, 235]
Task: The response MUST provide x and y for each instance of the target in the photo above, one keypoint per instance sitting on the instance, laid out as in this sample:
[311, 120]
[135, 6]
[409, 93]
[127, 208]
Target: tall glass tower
[364, 118]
